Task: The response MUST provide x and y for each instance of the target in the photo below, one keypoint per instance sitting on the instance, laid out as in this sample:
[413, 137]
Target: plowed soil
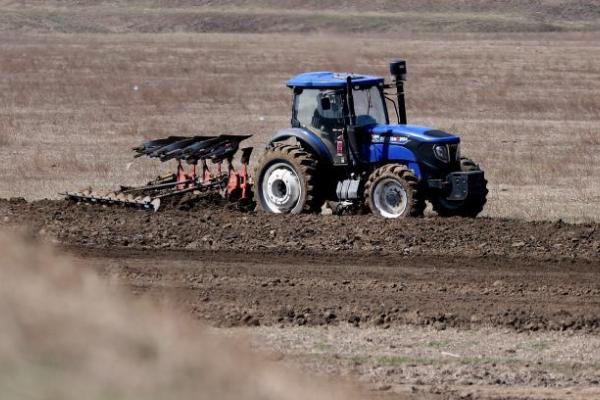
[427, 308]
[232, 268]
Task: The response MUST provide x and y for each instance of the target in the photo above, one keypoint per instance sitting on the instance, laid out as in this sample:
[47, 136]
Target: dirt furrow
[348, 236]
[231, 268]
[232, 289]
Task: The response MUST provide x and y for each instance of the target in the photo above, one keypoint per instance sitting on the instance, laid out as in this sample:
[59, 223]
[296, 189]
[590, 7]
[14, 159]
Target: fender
[383, 153]
[307, 138]
[386, 152]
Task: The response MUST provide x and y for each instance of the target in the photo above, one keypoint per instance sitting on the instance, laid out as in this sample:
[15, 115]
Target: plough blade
[198, 149]
[145, 203]
[191, 148]
[231, 184]
[153, 145]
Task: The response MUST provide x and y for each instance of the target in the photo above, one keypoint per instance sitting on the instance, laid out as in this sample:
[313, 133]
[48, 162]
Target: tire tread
[417, 201]
[307, 165]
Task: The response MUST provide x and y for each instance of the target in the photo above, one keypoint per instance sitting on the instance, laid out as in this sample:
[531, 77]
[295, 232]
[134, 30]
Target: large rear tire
[469, 207]
[287, 181]
[392, 191]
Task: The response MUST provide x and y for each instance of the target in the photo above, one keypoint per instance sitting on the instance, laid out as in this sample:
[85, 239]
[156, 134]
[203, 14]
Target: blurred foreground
[67, 335]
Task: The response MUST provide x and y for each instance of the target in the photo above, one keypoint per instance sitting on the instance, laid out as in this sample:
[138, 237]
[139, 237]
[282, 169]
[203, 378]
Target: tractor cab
[321, 105]
[348, 113]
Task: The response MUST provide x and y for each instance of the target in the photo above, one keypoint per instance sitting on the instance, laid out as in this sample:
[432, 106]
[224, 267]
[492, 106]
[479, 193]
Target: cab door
[321, 112]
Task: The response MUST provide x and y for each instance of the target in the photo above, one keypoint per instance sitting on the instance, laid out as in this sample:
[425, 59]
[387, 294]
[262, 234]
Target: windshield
[369, 106]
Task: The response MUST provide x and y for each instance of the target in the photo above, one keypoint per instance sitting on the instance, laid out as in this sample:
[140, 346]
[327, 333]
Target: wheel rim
[281, 189]
[390, 198]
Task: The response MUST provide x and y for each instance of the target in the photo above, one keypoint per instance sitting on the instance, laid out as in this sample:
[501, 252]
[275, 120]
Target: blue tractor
[342, 149]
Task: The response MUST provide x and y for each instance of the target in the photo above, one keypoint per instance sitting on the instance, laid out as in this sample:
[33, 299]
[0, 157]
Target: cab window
[319, 116]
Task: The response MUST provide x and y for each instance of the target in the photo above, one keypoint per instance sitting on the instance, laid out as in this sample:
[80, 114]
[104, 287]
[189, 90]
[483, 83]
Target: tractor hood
[416, 133]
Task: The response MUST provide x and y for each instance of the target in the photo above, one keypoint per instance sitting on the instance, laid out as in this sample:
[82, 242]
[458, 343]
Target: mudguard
[383, 153]
[307, 138]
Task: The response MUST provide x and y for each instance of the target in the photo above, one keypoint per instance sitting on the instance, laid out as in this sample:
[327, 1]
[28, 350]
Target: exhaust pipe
[398, 71]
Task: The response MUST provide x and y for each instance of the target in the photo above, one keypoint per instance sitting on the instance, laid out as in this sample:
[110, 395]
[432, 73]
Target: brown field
[408, 309]
[496, 308]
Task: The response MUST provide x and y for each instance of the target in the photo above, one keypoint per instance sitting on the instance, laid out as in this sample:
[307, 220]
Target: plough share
[195, 151]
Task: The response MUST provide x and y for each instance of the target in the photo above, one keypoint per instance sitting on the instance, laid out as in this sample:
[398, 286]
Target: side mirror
[325, 103]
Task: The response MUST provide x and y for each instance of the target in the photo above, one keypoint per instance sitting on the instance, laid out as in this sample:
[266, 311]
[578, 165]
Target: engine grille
[453, 152]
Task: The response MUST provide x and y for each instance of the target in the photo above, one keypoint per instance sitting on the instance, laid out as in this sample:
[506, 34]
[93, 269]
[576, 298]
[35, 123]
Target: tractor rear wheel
[469, 207]
[286, 181]
[392, 191]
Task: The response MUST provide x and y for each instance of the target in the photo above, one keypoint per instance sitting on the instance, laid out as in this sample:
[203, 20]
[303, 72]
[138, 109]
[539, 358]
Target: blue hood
[414, 132]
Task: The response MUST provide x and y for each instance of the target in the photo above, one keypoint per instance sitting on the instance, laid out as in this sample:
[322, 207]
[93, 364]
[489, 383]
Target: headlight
[441, 152]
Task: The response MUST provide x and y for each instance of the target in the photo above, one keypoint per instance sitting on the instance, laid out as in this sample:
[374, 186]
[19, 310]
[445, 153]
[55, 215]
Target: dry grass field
[274, 16]
[526, 105]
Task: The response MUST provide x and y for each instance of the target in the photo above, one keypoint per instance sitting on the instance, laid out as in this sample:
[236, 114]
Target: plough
[196, 151]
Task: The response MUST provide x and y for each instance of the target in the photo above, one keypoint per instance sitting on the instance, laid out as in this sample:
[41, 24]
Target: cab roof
[331, 80]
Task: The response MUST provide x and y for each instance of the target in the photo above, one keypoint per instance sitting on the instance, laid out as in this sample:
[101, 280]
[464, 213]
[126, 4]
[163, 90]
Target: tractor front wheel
[286, 181]
[392, 191]
[469, 207]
